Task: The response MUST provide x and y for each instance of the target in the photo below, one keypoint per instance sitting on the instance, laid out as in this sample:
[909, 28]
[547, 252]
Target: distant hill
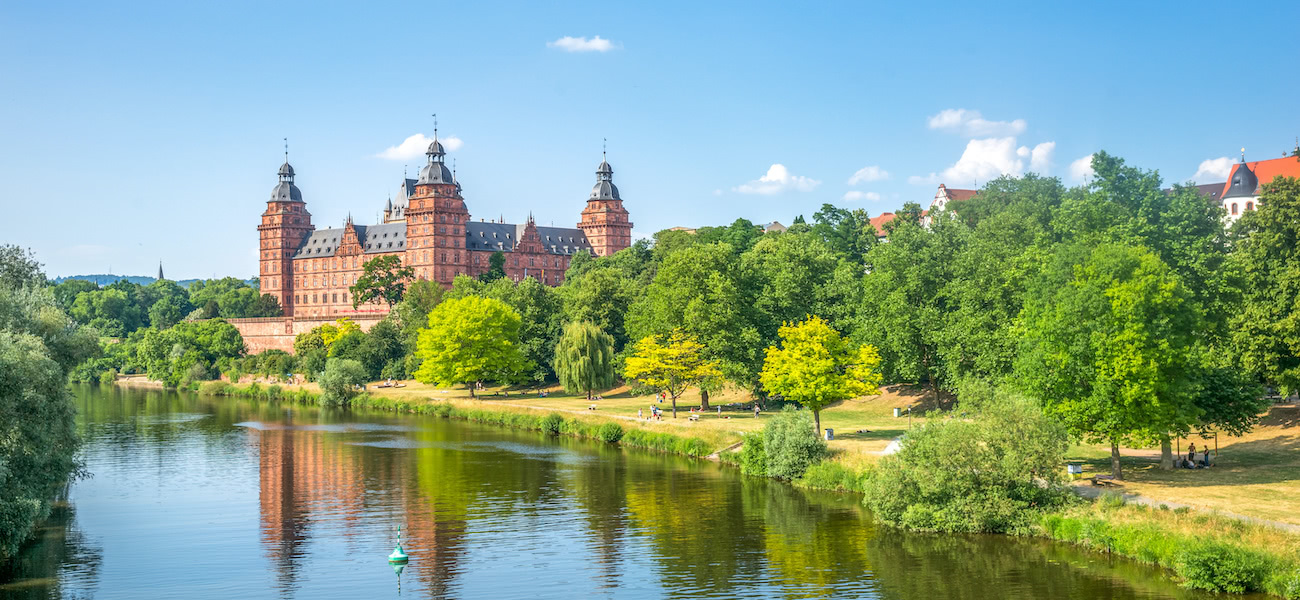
[103, 279]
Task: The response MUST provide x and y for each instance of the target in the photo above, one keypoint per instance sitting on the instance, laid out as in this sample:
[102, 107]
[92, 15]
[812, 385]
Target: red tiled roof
[956, 194]
[1267, 170]
[879, 221]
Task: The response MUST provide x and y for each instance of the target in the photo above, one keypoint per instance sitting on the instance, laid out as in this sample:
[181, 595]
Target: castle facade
[429, 227]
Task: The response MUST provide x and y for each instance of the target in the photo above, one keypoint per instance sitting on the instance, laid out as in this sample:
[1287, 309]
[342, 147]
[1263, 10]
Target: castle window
[1250, 206]
[334, 297]
[1234, 208]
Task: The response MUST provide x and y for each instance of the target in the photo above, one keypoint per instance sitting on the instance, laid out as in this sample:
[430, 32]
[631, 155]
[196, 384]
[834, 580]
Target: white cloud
[417, 145]
[778, 179]
[870, 173]
[1081, 169]
[856, 196]
[1213, 169]
[971, 124]
[987, 158]
[582, 44]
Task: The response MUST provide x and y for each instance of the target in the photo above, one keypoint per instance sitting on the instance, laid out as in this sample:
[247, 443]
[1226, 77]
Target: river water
[197, 497]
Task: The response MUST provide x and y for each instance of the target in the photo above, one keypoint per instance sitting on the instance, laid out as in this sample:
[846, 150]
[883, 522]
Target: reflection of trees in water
[912, 566]
[814, 543]
[60, 563]
[598, 485]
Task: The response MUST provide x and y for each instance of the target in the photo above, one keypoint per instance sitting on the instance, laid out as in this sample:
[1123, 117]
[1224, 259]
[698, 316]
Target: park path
[1092, 492]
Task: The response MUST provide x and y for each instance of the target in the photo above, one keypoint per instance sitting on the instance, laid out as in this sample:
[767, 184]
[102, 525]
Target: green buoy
[399, 555]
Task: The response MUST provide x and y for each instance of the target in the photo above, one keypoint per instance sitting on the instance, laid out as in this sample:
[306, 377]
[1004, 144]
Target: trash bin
[898, 412]
[1074, 468]
[830, 434]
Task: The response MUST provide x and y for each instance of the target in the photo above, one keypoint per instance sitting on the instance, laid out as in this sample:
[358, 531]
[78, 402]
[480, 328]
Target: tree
[339, 381]
[468, 340]
[816, 367]
[584, 358]
[496, 268]
[670, 365]
[847, 232]
[383, 278]
[1110, 332]
[227, 297]
[791, 444]
[1266, 327]
[19, 268]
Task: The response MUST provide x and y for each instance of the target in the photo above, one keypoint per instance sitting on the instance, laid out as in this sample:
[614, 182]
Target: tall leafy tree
[584, 358]
[847, 232]
[671, 364]
[496, 268]
[382, 279]
[468, 340]
[816, 367]
[1109, 346]
[788, 270]
[1266, 327]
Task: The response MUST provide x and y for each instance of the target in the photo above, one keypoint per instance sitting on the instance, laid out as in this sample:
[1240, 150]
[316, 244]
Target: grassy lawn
[1256, 475]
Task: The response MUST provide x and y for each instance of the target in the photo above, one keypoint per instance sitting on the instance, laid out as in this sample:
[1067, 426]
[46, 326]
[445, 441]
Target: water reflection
[268, 501]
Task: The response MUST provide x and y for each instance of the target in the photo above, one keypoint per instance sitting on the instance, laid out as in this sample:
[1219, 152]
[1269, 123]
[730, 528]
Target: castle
[429, 227]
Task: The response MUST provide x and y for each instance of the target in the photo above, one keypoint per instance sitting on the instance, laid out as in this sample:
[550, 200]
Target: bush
[551, 424]
[1218, 567]
[753, 458]
[108, 377]
[339, 380]
[610, 432]
[828, 475]
[791, 444]
[1111, 500]
[982, 475]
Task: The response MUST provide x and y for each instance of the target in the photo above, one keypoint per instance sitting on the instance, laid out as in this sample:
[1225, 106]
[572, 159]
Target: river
[198, 497]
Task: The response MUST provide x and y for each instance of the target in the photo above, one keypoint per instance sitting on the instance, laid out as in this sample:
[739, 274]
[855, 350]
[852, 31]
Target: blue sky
[153, 131]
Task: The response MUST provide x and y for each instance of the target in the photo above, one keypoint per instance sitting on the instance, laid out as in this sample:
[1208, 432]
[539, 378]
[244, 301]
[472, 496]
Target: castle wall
[277, 333]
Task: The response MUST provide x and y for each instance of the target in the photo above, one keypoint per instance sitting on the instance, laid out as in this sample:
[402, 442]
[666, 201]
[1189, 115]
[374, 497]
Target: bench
[1103, 480]
[694, 417]
[592, 407]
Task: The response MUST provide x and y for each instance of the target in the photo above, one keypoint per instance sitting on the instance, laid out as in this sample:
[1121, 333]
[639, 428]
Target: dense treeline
[39, 343]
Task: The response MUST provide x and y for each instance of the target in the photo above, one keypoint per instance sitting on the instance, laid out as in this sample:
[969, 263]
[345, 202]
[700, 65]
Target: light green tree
[816, 367]
[584, 358]
[468, 340]
[670, 364]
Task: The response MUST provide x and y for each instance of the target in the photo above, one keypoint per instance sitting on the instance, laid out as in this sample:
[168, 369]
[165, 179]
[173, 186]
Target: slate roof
[503, 236]
[375, 239]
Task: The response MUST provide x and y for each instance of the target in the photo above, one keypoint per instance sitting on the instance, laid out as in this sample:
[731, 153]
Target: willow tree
[584, 358]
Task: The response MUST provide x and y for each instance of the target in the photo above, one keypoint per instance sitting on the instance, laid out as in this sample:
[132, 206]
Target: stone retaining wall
[277, 333]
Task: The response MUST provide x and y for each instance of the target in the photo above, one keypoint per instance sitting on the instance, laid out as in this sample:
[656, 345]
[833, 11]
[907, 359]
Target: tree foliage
[670, 364]
[816, 367]
[382, 279]
[584, 358]
[1266, 326]
[468, 340]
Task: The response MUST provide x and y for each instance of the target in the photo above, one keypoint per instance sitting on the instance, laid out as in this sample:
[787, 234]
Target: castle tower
[604, 220]
[435, 221]
[285, 224]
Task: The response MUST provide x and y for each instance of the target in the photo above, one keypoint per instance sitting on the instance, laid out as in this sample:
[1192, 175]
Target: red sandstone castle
[428, 225]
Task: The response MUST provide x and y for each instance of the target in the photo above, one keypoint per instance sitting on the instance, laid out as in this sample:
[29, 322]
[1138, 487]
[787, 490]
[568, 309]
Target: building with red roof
[1241, 191]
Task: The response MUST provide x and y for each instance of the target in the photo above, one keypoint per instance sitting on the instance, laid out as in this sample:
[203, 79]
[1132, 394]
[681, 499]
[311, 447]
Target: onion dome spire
[1244, 181]
[436, 170]
[285, 190]
[604, 188]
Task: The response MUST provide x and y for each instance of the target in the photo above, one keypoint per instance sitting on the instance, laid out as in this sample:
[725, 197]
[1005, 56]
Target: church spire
[160, 274]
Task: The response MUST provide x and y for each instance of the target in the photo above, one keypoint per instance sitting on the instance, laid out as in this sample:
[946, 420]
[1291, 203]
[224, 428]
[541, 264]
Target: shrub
[985, 474]
[791, 444]
[551, 424]
[1219, 567]
[339, 380]
[827, 475]
[1111, 500]
[610, 432]
[108, 377]
[753, 457]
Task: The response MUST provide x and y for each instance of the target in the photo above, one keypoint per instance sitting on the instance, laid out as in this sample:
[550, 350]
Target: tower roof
[1242, 183]
[286, 191]
[604, 188]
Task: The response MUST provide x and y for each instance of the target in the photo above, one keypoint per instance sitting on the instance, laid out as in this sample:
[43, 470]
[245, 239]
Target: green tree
[383, 278]
[468, 340]
[339, 381]
[1109, 346]
[789, 272]
[1266, 327]
[791, 444]
[19, 268]
[816, 367]
[584, 358]
[496, 268]
[66, 293]
[670, 364]
[848, 233]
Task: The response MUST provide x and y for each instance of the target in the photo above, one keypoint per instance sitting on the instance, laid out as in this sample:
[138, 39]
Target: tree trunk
[471, 385]
[704, 399]
[817, 422]
[1166, 454]
[674, 407]
[588, 395]
[1114, 461]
